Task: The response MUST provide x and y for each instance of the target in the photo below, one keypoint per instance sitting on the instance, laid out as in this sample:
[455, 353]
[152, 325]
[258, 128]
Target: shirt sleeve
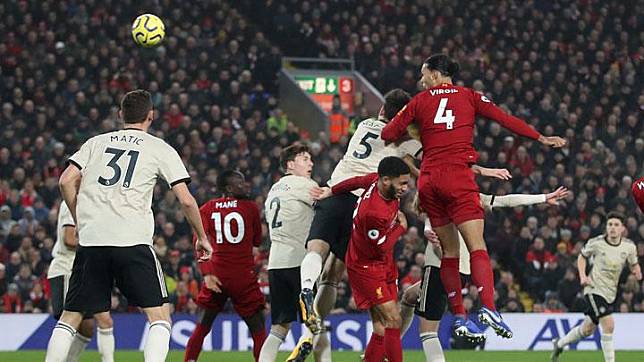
[515, 200]
[411, 147]
[487, 109]
[632, 255]
[397, 127]
[381, 233]
[172, 168]
[65, 216]
[81, 157]
[257, 224]
[354, 183]
[589, 249]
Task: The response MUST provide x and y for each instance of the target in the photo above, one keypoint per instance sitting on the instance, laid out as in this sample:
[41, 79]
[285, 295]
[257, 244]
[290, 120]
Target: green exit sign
[318, 85]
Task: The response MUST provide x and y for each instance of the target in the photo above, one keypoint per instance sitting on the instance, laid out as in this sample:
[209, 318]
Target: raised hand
[559, 194]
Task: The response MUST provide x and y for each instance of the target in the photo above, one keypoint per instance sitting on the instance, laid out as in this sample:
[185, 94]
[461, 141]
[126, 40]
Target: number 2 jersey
[119, 171]
[233, 227]
[445, 117]
[365, 151]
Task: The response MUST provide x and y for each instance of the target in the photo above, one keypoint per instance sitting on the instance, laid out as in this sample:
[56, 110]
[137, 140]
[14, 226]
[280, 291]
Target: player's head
[638, 193]
[232, 183]
[438, 69]
[393, 175]
[136, 107]
[614, 225]
[296, 160]
[395, 100]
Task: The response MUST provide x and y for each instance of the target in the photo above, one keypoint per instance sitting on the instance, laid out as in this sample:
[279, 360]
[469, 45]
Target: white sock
[105, 342]
[271, 347]
[61, 340]
[310, 270]
[573, 336]
[432, 347]
[407, 316]
[79, 343]
[325, 299]
[322, 347]
[158, 343]
[608, 348]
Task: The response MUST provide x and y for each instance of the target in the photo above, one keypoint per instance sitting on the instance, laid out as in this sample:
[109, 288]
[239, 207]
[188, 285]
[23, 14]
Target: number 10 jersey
[119, 171]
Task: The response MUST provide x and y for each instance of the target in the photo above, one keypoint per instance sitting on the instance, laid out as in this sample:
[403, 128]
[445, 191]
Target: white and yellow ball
[148, 30]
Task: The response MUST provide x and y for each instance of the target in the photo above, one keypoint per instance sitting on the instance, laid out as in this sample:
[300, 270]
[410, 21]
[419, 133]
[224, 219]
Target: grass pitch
[412, 356]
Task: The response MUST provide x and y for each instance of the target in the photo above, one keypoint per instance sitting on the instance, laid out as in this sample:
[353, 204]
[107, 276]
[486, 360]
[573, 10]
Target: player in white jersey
[289, 212]
[331, 227]
[58, 276]
[427, 298]
[608, 254]
[108, 188]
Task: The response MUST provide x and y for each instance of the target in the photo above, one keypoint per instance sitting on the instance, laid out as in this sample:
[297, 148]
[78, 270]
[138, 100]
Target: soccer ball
[148, 30]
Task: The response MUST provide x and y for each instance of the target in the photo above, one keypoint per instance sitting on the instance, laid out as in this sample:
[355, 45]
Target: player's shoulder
[597, 239]
[629, 243]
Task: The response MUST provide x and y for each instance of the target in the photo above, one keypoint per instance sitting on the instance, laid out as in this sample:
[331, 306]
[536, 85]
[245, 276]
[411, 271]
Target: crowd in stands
[568, 67]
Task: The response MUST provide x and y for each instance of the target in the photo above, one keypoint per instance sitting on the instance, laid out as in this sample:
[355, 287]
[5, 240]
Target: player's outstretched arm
[500, 173]
[516, 200]
[191, 210]
[637, 271]
[69, 183]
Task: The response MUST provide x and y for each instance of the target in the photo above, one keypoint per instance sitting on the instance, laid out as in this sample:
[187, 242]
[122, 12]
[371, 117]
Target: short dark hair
[224, 177]
[442, 63]
[616, 215]
[395, 100]
[289, 153]
[135, 106]
[392, 167]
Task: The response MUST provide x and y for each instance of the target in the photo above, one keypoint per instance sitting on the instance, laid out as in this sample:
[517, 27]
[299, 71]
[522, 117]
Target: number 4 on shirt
[444, 115]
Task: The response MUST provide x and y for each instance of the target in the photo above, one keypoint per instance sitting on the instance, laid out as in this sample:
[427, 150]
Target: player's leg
[256, 326]
[482, 275]
[585, 329]
[407, 304]
[139, 276]
[430, 307]
[429, 339]
[325, 302]
[105, 336]
[206, 316]
[90, 289]
[390, 313]
[375, 350]
[81, 340]
[607, 324]
[273, 342]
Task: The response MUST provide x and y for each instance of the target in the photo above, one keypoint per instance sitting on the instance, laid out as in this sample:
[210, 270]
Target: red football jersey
[445, 117]
[638, 193]
[233, 227]
[375, 228]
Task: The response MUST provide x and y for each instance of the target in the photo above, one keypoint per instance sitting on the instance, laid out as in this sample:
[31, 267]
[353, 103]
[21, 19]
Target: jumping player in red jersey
[377, 226]
[444, 114]
[233, 223]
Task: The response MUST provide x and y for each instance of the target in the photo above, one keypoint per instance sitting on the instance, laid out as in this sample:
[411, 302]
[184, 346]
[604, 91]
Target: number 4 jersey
[365, 151]
[233, 227]
[119, 171]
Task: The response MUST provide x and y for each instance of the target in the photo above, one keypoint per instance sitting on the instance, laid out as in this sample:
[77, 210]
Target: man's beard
[390, 193]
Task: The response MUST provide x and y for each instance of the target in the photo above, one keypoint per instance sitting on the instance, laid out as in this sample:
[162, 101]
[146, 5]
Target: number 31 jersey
[365, 151]
[119, 171]
[233, 227]
[289, 213]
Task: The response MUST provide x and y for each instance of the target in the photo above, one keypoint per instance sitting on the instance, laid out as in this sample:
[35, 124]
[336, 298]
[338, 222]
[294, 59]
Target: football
[148, 30]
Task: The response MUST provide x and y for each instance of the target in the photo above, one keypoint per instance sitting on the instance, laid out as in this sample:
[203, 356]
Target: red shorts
[449, 193]
[370, 289]
[246, 296]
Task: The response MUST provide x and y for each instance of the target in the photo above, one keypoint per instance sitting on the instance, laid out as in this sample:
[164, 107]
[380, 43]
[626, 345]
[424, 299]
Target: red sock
[451, 279]
[393, 346]
[483, 277]
[193, 348]
[375, 351]
[259, 337]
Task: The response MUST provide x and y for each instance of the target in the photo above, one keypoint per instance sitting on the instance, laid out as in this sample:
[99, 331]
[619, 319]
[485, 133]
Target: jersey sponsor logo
[442, 91]
[485, 99]
[640, 185]
[226, 204]
[373, 234]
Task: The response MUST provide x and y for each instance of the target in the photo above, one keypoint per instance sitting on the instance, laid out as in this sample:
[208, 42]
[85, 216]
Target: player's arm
[69, 237]
[500, 173]
[69, 183]
[487, 109]
[191, 211]
[411, 163]
[348, 185]
[633, 264]
[515, 200]
[582, 261]
[397, 127]
[257, 225]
